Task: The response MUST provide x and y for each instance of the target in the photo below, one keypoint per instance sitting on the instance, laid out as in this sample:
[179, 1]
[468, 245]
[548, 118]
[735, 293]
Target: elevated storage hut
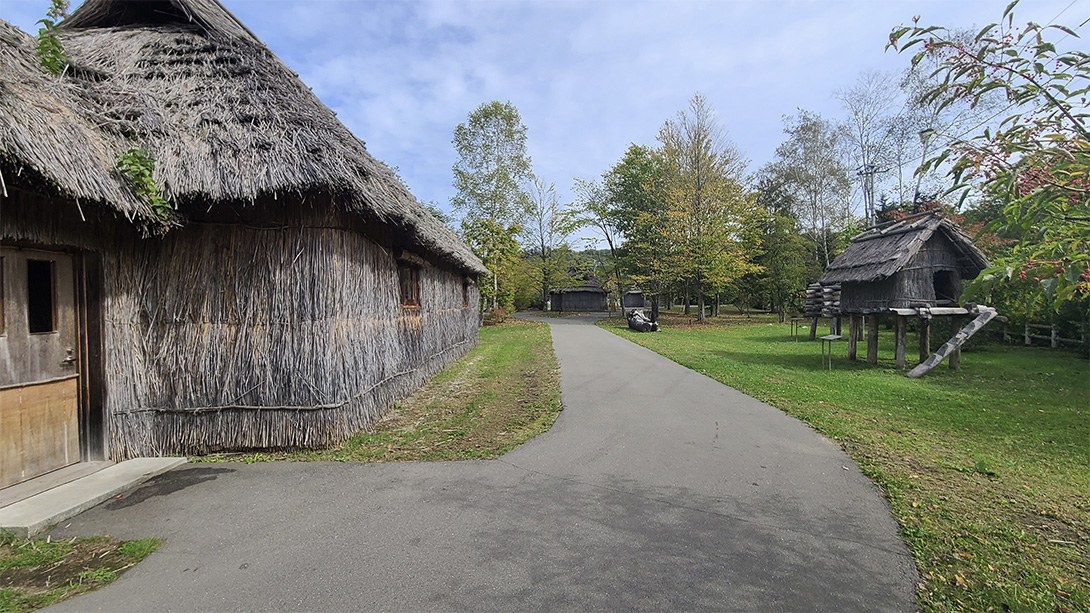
[586, 295]
[295, 290]
[914, 266]
[918, 261]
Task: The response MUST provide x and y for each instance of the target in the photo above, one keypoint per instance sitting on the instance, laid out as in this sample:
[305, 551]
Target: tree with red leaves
[1036, 159]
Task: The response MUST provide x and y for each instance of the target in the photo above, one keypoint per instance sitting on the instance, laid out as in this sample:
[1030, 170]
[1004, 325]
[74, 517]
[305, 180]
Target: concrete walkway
[657, 489]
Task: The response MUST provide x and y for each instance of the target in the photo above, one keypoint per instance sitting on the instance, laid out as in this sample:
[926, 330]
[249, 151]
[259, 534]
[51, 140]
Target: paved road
[657, 489]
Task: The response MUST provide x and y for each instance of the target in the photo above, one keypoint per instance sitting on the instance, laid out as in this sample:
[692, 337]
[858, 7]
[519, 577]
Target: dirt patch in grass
[36, 573]
[498, 396]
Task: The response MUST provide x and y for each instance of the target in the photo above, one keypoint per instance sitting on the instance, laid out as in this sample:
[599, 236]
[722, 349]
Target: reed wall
[230, 336]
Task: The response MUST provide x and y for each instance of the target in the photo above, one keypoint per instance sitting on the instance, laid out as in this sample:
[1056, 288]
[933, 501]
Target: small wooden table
[828, 339]
[796, 325]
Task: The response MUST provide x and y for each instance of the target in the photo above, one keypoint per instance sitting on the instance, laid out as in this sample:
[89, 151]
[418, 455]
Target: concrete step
[42, 511]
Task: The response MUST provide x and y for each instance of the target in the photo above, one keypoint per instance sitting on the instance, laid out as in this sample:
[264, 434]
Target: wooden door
[39, 374]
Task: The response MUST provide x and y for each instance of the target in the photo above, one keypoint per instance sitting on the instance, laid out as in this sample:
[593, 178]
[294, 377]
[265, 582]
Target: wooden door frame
[89, 325]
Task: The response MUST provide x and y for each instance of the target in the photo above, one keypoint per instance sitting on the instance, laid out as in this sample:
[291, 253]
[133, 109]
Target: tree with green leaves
[633, 191]
[708, 214]
[1036, 157]
[546, 236]
[498, 247]
[593, 209]
[783, 256]
[489, 176]
[811, 165]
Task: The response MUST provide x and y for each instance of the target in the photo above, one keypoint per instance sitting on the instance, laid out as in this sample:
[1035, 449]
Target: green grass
[987, 469]
[496, 397]
[35, 573]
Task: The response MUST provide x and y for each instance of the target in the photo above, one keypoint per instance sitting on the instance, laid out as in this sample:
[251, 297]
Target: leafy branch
[138, 168]
[49, 49]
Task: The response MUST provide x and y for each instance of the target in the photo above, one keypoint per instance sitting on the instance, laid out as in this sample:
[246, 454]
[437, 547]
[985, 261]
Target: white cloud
[587, 77]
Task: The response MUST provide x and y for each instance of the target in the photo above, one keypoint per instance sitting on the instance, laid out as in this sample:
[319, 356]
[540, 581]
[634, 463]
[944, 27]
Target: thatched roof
[582, 281]
[224, 119]
[885, 249]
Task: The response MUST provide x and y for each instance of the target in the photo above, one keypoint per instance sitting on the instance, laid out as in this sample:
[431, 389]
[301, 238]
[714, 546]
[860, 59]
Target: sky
[589, 77]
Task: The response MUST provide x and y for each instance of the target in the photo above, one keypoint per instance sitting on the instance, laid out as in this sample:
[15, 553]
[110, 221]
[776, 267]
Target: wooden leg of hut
[955, 356]
[855, 329]
[925, 338]
[902, 340]
[872, 339]
[813, 328]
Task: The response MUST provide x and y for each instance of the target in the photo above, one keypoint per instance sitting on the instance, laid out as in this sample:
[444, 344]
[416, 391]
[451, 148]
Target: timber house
[293, 291]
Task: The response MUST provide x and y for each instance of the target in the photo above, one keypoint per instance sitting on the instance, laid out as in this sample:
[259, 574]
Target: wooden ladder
[986, 314]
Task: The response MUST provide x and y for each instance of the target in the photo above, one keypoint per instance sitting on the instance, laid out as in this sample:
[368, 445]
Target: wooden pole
[813, 328]
[902, 341]
[955, 354]
[872, 339]
[925, 338]
[855, 330]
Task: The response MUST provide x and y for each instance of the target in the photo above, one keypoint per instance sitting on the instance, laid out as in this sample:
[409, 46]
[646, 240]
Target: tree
[633, 191]
[546, 232]
[783, 256]
[498, 248]
[1037, 157]
[813, 171]
[868, 104]
[707, 211]
[489, 175]
[592, 209]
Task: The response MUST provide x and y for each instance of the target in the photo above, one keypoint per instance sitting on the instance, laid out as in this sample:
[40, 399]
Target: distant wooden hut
[635, 299]
[294, 292]
[914, 266]
[586, 295]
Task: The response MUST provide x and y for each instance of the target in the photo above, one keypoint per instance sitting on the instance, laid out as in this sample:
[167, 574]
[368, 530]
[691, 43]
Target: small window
[409, 280]
[40, 288]
[465, 293]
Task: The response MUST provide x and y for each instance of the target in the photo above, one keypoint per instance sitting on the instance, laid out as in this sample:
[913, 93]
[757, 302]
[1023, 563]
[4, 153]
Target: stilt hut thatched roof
[916, 261]
[224, 119]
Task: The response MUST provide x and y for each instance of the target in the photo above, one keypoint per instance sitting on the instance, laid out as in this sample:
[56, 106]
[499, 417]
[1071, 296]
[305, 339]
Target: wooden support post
[855, 330]
[902, 341]
[925, 338]
[813, 328]
[1028, 340]
[872, 339]
[955, 355]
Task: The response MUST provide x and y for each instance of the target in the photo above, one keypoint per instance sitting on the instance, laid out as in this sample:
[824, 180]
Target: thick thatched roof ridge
[41, 135]
[209, 15]
[883, 250]
[224, 119]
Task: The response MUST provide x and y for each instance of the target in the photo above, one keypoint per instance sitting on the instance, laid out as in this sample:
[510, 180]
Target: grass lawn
[987, 469]
[36, 573]
[496, 397]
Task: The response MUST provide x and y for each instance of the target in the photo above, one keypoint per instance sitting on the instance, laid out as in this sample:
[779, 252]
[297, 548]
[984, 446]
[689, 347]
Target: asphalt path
[657, 489]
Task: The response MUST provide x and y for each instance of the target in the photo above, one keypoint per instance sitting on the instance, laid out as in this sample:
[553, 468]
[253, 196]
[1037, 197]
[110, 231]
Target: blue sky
[590, 76]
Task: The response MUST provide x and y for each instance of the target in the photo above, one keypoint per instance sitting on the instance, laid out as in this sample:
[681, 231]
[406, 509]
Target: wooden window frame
[408, 288]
